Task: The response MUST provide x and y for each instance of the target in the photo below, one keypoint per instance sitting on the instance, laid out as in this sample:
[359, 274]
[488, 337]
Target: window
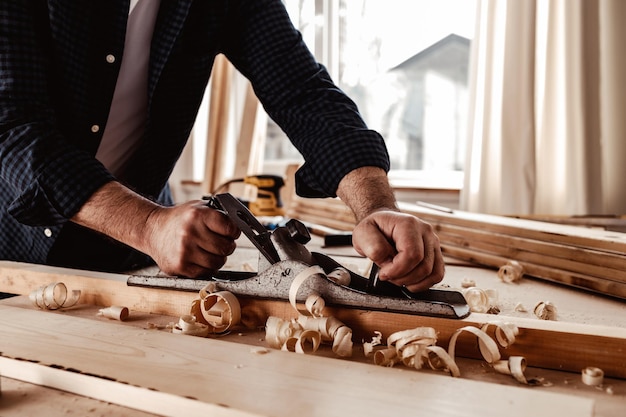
[405, 64]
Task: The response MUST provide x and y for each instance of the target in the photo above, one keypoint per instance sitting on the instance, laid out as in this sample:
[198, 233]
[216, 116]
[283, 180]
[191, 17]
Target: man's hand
[188, 240]
[405, 248]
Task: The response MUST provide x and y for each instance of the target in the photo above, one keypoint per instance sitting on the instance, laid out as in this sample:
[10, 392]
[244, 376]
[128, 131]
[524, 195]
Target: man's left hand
[404, 247]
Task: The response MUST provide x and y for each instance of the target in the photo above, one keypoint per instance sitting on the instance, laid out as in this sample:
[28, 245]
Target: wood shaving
[188, 325]
[505, 332]
[219, 310]
[515, 366]
[477, 299]
[520, 308]
[545, 310]
[340, 276]
[511, 272]
[115, 312]
[416, 348]
[311, 328]
[592, 376]
[54, 296]
[214, 312]
[368, 347]
[487, 346]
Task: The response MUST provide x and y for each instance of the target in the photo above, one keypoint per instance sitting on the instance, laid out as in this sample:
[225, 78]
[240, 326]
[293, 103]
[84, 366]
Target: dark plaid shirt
[56, 86]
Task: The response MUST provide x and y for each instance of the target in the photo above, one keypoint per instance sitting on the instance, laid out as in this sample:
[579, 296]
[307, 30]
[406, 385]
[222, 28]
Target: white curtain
[547, 122]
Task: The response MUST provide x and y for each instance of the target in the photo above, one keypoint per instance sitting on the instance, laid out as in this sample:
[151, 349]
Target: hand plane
[283, 256]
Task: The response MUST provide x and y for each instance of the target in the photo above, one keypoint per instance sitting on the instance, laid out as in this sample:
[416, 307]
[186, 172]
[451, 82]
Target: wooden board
[551, 345]
[162, 368]
[25, 399]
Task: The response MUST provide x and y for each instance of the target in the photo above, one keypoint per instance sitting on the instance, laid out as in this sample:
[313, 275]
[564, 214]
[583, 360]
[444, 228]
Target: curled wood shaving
[315, 305]
[368, 347]
[220, 310]
[342, 342]
[54, 296]
[303, 341]
[114, 312]
[188, 325]
[505, 332]
[277, 331]
[545, 310]
[515, 366]
[311, 328]
[415, 348]
[340, 276]
[440, 360]
[308, 273]
[215, 312]
[477, 300]
[386, 357]
[487, 346]
[592, 376]
[511, 272]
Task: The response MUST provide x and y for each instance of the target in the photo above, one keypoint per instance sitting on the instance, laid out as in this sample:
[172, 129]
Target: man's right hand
[189, 240]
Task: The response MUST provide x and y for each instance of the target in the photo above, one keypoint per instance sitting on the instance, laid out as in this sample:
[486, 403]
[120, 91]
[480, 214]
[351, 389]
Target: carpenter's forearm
[366, 190]
[119, 213]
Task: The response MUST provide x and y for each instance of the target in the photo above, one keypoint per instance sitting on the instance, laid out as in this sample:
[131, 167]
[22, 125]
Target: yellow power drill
[268, 201]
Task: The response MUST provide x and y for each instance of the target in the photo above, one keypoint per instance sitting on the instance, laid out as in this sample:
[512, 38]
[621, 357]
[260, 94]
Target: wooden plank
[97, 288]
[550, 345]
[219, 110]
[531, 229]
[593, 262]
[228, 374]
[103, 389]
[573, 266]
[545, 344]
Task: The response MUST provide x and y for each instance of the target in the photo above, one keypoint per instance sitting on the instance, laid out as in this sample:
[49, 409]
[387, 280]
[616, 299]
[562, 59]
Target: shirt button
[110, 58]
[95, 128]
[47, 232]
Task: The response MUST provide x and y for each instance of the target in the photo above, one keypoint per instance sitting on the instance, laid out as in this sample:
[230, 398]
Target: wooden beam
[546, 344]
[219, 110]
[167, 368]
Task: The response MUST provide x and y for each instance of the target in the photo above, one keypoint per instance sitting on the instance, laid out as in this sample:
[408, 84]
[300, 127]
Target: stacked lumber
[329, 212]
[591, 259]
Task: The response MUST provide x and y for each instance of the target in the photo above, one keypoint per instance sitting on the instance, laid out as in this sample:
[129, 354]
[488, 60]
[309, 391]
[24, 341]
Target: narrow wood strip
[599, 285]
[229, 374]
[138, 398]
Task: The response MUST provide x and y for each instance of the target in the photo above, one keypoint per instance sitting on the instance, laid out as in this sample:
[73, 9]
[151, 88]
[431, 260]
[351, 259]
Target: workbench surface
[574, 306]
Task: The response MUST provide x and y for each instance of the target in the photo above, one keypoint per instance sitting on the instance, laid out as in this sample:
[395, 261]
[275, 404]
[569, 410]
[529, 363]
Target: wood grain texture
[545, 344]
[228, 374]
